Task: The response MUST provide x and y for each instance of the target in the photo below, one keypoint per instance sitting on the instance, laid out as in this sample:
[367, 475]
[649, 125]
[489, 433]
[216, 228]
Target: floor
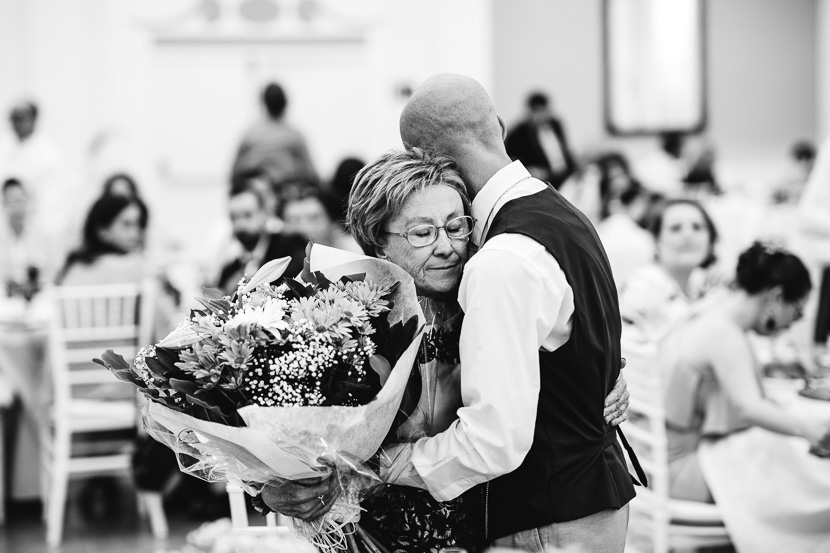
[101, 521]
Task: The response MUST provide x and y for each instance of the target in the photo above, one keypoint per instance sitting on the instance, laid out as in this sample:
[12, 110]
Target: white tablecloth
[774, 495]
[23, 369]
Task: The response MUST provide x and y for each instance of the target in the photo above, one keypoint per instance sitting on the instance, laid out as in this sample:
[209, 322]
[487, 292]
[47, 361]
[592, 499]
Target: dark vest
[575, 467]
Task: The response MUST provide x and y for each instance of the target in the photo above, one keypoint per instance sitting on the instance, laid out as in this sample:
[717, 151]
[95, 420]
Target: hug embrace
[509, 437]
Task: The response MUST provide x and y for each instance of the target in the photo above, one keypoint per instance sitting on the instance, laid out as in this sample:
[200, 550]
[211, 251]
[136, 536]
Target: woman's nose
[443, 244]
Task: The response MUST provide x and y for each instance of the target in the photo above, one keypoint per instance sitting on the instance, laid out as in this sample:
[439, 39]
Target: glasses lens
[460, 227]
[423, 235]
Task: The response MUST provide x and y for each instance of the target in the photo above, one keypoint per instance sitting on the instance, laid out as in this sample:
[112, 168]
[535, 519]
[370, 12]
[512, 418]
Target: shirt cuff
[442, 487]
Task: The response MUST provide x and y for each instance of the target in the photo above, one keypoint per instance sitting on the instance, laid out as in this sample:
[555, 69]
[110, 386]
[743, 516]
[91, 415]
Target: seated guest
[254, 245]
[341, 185]
[112, 243]
[729, 443]
[627, 244]
[311, 213]
[657, 295]
[24, 252]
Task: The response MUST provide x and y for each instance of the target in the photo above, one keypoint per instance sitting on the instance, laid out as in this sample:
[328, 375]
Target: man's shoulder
[510, 253]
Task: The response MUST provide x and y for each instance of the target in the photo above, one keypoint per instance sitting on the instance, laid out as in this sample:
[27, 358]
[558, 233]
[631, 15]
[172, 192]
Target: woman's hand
[817, 432]
[306, 499]
[616, 404]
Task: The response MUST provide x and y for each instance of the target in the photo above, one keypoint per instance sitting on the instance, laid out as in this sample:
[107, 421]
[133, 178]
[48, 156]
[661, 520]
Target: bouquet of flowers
[286, 379]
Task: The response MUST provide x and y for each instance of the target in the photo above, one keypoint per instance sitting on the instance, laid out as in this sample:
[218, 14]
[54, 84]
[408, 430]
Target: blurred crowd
[276, 203]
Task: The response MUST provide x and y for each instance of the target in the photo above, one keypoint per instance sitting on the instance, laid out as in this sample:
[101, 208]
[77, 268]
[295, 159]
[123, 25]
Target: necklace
[441, 340]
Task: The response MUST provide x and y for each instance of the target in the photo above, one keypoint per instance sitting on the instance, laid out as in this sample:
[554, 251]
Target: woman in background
[727, 441]
[656, 296]
[112, 244]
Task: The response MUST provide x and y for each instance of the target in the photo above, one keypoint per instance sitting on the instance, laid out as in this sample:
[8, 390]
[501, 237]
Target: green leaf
[157, 367]
[212, 294]
[203, 404]
[357, 277]
[112, 361]
[184, 386]
[220, 307]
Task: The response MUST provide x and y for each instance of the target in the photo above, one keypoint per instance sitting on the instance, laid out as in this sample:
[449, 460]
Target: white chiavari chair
[659, 523]
[85, 321]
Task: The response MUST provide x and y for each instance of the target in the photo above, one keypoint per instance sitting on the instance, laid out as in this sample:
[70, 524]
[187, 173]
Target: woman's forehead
[427, 203]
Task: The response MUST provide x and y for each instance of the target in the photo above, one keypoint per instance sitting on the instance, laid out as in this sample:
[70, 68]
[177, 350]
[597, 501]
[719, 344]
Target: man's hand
[306, 499]
[616, 404]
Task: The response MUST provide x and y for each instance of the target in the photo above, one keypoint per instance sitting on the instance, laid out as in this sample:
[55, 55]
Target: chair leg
[59, 482]
[153, 506]
[57, 504]
[46, 457]
[239, 511]
[2, 470]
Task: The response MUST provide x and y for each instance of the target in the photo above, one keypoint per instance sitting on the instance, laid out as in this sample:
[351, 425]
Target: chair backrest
[646, 431]
[85, 321]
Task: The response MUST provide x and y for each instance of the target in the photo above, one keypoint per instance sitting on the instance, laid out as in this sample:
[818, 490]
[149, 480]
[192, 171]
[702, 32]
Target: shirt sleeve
[511, 306]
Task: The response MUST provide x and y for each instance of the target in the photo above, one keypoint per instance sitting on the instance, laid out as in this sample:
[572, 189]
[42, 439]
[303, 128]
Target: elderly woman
[412, 209]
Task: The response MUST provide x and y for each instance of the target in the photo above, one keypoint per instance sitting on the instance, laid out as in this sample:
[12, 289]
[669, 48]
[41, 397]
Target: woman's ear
[381, 254]
[774, 294]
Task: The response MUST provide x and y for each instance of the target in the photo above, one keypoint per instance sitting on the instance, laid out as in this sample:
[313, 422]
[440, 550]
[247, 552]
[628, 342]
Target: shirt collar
[484, 204]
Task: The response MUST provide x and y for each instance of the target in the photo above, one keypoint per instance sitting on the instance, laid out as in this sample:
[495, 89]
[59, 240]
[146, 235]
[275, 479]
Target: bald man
[540, 348]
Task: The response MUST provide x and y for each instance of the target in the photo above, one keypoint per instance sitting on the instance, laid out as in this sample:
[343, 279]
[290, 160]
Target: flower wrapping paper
[299, 442]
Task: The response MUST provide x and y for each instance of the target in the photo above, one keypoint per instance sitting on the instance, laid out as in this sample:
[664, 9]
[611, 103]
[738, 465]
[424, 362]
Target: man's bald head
[451, 113]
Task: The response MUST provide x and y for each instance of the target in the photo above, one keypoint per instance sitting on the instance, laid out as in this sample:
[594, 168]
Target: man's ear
[381, 254]
[503, 127]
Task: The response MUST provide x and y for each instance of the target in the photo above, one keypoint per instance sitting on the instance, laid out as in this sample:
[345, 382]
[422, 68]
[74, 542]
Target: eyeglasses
[424, 235]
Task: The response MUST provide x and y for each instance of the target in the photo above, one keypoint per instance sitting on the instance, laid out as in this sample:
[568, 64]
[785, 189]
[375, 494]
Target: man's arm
[511, 307]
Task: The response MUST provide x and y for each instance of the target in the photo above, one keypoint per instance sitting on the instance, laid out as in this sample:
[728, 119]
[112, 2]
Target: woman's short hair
[763, 267]
[656, 225]
[381, 188]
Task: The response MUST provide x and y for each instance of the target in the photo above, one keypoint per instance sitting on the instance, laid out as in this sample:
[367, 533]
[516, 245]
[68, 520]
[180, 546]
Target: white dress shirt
[516, 300]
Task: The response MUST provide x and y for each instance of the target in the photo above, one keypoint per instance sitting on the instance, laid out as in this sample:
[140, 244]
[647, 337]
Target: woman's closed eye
[458, 228]
[422, 231]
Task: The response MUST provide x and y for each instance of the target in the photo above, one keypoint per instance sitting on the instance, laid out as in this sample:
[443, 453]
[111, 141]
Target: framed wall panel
[654, 66]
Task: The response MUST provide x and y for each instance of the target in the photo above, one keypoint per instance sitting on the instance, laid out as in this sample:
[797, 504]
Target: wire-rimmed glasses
[425, 235]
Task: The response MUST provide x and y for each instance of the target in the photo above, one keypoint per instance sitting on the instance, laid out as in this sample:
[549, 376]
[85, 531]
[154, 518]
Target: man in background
[539, 142]
[51, 187]
[254, 242]
[274, 147]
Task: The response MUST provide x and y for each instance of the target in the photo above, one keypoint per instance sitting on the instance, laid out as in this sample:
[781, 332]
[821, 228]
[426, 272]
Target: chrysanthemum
[328, 321]
[355, 312]
[369, 294]
[270, 315]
